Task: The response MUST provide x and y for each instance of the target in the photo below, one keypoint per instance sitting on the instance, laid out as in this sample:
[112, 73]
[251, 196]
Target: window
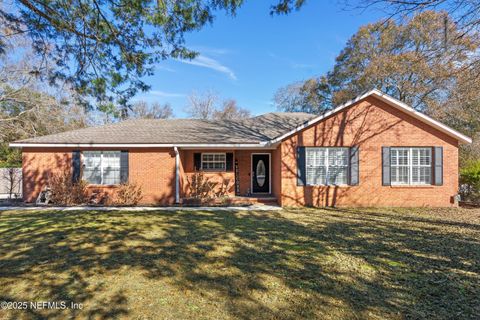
[101, 167]
[213, 161]
[411, 166]
[327, 166]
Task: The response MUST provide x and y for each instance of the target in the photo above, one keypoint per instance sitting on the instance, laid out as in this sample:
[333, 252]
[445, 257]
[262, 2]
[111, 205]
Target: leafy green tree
[104, 48]
[417, 61]
[470, 181]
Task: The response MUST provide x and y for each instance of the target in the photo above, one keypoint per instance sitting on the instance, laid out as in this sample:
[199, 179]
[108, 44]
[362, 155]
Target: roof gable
[390, 101]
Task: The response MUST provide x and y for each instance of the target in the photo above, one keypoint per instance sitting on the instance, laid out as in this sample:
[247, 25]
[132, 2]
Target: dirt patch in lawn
[299, 263]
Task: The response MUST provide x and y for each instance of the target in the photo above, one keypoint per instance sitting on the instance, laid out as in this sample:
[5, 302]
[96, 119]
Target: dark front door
[260, 173]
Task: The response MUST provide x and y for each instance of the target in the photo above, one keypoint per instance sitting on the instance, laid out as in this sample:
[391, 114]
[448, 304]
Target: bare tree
[13, 177]
[312, 96]
[202, 105]
[20, 70]
[207, 105]
[142, 109]
[30, 105]
[231, 111]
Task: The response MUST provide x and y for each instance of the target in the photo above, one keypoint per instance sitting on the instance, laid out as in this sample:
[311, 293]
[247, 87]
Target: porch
[243, 176]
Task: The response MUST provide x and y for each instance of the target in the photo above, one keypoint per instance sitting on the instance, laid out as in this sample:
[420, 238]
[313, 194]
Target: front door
[260, 173]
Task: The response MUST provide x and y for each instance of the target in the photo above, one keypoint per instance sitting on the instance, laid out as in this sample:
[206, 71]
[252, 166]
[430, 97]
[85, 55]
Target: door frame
[269, 172]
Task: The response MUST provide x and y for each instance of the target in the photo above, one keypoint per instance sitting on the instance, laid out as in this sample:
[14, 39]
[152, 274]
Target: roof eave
[262, 145]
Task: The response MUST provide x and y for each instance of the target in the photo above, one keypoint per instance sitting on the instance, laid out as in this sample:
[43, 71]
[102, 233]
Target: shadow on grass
[284, 265]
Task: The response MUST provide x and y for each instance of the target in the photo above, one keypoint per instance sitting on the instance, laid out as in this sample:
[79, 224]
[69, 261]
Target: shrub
[200, 186]
[470, 182]
[98, 196]
[223, 189]
[128, 194]
[64, 191]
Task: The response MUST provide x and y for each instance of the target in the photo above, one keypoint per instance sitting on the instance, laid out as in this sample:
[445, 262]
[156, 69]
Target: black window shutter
[76, 166]
[197, 161]
[386, 166]
[354, 166]
[229, 160]
[301, 167]
[438, 168]
[124, 166]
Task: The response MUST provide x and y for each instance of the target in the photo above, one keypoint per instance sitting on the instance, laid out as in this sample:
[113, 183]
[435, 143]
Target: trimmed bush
[470, 182]
[65, 192]
[128, 194]
[200, 186]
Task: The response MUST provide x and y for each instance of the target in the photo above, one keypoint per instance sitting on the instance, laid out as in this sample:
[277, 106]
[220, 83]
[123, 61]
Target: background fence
[10, 181]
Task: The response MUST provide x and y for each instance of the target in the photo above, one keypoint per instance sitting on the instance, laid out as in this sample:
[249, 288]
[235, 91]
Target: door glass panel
[260, 173]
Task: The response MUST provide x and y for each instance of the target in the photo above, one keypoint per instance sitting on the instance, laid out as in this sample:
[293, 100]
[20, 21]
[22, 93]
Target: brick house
[371, 151]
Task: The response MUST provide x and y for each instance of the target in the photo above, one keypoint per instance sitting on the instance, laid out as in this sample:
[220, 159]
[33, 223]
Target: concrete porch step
[267, 199]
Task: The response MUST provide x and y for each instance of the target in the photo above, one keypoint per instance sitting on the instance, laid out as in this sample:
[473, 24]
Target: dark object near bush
[470, 182]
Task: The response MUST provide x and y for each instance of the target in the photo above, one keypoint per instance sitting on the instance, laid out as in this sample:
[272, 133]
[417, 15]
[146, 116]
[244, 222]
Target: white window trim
[214, 153]
[410, 167]
[327, 166]
[101, 167]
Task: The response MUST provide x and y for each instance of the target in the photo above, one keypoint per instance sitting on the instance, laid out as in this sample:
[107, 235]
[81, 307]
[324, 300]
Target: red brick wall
[153, 169]
[277, 174]
[220, 177]
[244, 168]
[370, 124]
[38, 165]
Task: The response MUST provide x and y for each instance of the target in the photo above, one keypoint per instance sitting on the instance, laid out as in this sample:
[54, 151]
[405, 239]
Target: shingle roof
[181, 131]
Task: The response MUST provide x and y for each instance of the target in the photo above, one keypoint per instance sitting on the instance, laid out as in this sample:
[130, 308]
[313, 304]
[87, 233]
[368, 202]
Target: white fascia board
[262, 145]
[390, 101]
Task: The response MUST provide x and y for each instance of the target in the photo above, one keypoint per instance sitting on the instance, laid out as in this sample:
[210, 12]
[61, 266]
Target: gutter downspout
[177, 175]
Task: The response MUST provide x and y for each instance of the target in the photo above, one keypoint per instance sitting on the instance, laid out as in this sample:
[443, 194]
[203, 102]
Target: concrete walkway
[255, 207]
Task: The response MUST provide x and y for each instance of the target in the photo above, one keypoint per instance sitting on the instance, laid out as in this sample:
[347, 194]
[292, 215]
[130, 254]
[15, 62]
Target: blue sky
[249, 56]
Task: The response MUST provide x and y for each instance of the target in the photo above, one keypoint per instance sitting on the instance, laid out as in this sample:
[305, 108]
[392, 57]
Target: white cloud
[166, 94]
[160, 67]
[211, 50]
[206, 62]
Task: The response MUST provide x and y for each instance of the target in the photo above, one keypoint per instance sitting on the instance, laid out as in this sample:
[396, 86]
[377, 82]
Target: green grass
[305, 263]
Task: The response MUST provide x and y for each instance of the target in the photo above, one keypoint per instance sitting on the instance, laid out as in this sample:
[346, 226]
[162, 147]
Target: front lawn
[325, 263]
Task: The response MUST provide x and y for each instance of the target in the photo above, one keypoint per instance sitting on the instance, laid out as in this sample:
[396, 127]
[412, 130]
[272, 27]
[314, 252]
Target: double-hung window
[411, 166]
[327, 166]
[213, 161]
[101, 167]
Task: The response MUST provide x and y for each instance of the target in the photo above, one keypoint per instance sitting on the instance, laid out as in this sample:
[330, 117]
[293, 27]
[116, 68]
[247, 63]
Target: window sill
[102, 185]
[409, 186]
[331, 185]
